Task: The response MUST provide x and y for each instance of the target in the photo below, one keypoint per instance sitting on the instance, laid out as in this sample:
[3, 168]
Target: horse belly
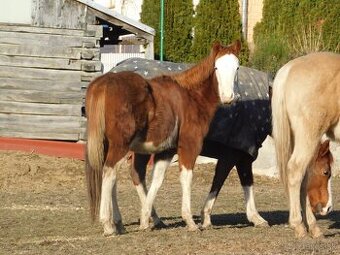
[150, 146]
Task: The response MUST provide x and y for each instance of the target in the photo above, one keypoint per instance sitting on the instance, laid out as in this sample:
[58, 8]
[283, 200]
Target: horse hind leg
[138, 172]
[222, 170]
[296, 170]
[161, 163]
[109, 213]
[245, 173]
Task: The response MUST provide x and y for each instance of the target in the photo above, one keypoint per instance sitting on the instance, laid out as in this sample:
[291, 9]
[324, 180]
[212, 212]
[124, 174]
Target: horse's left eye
[326, 172]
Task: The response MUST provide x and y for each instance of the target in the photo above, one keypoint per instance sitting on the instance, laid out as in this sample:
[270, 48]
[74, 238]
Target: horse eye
[326, 172]
[215, 68]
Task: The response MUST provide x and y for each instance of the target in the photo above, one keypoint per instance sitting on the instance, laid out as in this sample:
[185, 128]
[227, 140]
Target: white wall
[16, 11]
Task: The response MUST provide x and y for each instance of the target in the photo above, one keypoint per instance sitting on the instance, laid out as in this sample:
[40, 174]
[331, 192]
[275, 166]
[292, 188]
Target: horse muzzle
[323, 211]
[228, 99]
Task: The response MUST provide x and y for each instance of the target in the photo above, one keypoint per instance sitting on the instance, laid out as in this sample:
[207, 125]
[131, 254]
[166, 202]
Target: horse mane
[193, 77]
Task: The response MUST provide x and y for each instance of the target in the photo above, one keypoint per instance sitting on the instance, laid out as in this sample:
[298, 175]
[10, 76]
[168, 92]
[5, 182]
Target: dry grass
[43, 210]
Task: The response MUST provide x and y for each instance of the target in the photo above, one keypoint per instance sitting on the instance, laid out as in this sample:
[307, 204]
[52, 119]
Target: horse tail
[281, 125]
[95, 112]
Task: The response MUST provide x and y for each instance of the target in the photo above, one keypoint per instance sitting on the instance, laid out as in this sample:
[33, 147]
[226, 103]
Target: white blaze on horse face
[329, 206]
[226, 68]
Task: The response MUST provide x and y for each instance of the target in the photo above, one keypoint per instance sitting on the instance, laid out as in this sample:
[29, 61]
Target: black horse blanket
[242, 125]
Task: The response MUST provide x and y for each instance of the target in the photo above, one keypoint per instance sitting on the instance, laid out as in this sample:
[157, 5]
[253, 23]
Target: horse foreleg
[186, 180]
[138, 172]
[245, 173]
[161, 163]
[222, 170]
[186, 160]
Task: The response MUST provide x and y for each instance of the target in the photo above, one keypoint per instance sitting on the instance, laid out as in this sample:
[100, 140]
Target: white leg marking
[186, 179]
[207, 209]
[142, 193]
[106, 203]
[157, 179]
[251, 211]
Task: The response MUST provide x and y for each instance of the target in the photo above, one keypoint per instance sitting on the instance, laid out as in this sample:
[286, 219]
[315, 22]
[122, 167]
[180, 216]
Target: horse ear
[324, 148]
[236, 47]
[216, 46]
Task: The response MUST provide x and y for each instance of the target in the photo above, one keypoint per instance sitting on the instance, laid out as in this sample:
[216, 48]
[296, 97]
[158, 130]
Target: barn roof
[120, 21]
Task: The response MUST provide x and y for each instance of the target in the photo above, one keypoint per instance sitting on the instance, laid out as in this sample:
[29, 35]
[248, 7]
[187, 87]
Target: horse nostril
[329, 209]
[318, 208]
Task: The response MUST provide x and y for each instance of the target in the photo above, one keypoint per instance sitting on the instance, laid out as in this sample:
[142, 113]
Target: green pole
[161, 31]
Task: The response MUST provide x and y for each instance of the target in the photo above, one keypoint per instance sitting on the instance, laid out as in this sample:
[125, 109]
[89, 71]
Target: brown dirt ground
[44, 210]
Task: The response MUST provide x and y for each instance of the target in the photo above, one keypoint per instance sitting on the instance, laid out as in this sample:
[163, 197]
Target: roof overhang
[139, 29]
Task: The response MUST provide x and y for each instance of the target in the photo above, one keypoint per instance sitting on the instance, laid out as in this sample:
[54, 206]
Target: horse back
[313, 82]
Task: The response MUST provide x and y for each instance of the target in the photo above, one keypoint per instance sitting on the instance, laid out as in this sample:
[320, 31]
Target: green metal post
[161, 31]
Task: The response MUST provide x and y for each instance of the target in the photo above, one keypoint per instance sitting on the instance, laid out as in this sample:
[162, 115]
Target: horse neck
[198, 74]
[202, 85]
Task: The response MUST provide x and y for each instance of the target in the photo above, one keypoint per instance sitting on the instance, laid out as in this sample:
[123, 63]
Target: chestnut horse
[306, 105]
[235, 142]
[234, 138]
[163, 116]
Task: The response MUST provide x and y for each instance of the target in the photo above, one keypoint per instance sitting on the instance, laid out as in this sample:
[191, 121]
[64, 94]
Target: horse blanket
[242, 125]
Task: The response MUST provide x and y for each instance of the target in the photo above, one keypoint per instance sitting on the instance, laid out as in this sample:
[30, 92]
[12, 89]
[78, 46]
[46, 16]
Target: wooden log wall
[43, 75]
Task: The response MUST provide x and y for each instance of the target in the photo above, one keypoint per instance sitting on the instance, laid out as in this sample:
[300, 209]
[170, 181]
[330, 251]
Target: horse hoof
[300, 231]
[193, 228]
[120, 229]
[144, 228]
[159, 225]
[315, 232]
[263, 224]
[108, 229]
[206, 224]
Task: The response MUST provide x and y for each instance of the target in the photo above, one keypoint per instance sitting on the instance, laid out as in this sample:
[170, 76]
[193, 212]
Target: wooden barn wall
[44, 71]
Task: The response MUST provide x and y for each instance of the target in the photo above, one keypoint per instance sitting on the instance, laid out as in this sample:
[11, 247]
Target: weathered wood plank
[41, 96]
[90, 31]
[42, 129]
[40, 109]
[50, 63]
[40, 135]
[87, 77]
[42, 85]
[18, 38]
[47, 74]
[60, 13]
[97, 29]
[46, 121]
[49, 51]
[38, 51]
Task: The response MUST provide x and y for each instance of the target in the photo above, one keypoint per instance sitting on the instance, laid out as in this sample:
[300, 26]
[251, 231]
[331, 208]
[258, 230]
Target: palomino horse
[236, 133]
[306, 106]
[164, 115]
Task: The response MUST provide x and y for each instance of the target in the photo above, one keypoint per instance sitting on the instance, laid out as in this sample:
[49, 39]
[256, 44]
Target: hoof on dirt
[159, 225]
[108, 229]
[262, 225]
[316, 232]
[120, 229]
[300, 231]
[206, 226]
[193, 228]
[108, 233]
[144, 228]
